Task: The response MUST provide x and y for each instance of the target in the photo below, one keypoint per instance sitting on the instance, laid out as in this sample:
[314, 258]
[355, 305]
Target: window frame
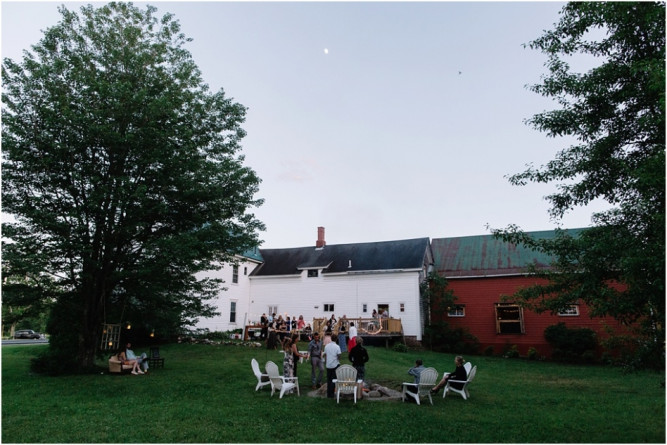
[232, 311]
[235, 274]
[501, 323]
[564, 313]
[328, 307]
[457, 311]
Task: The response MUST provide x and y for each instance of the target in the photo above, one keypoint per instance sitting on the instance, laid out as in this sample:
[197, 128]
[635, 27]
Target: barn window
[313, 273]
[401, 307]
[235, 274]
[457, 311]
[328, 307]
[364, 308]
[570, 311]
[509, 318]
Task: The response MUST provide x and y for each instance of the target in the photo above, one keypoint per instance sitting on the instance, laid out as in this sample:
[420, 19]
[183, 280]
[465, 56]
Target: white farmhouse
[232, 303]
[344, 279]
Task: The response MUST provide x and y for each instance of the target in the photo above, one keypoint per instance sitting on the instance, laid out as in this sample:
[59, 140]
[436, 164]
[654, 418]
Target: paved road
[25, 341]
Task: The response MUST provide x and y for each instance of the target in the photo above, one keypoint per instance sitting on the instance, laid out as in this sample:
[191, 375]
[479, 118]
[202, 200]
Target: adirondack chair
[464, 390]
[427, 380]
[262, 378]
[346, 381]
[281, 383]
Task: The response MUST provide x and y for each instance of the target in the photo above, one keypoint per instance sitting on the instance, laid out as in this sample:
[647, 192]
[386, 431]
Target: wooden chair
[427, 381]
[154, 359]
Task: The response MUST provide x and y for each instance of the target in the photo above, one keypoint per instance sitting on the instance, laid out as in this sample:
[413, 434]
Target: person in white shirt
[332, 360]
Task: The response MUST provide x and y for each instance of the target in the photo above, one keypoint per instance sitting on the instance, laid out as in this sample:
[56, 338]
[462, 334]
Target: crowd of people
[325, 353]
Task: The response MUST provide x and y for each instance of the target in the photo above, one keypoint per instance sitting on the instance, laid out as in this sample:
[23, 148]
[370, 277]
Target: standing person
[288, 361]
[342, 340]
[295, 352]
[264, 321]
[142, 360]
[416, 372]
[332, 357]
[353, 336]
[458, 374]
[359, 356]
[316, 363]
[300, 324]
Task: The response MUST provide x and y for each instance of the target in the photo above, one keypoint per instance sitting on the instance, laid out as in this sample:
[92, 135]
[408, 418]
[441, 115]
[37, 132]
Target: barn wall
[479, 295]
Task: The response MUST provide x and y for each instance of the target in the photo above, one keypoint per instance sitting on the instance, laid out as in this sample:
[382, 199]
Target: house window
[273, 310]
[509, 318]
[328, 307]
[313, 273]
[457, 311]
[364, 307]
[235, 274]
[570, 311]
[245, 270]
[401, 307]
[232, 312]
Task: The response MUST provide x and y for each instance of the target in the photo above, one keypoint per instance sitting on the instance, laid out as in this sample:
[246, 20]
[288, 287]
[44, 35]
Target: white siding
[301, 295]
[239, 292]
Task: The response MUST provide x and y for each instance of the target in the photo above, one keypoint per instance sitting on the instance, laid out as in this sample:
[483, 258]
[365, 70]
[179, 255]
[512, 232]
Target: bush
[441, 338]
[488, 351]
[571, 345]
[400, 347]
[532, 353]
[511, 351]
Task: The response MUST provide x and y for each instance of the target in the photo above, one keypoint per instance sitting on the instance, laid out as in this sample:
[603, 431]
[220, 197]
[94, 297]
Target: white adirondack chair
[346, 381]
[464, 390]
[262, 378]
[427, 381]
[467, 367]
[281, 383]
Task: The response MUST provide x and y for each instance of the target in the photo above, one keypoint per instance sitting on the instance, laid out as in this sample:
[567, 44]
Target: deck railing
[365, 326]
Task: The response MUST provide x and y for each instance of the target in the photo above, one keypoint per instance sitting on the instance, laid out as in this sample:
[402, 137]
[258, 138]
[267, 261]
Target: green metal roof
[484, 255]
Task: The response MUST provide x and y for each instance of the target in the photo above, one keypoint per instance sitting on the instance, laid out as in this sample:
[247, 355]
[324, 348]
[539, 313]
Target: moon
[326, 50]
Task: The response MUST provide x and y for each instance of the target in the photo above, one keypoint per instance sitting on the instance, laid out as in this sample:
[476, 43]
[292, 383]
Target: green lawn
[206, 394]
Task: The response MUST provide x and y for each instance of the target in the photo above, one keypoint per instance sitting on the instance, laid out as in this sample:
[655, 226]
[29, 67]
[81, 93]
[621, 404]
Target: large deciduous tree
[616, 113]
[124, 176]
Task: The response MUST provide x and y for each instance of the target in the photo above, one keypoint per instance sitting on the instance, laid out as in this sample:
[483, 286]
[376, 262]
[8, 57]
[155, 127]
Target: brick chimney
[320, 238]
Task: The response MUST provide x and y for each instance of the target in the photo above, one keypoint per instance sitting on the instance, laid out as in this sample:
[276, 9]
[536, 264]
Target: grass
[205, 394]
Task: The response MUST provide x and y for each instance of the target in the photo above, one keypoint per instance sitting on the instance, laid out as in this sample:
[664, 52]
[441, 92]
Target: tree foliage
[616, 112]
[123, 174]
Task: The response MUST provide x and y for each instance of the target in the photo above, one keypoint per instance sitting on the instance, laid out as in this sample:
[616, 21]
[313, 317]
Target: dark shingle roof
[485, 255]
[337, 258]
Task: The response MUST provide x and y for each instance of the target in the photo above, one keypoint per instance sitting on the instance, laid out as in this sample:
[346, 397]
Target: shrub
[400, 347]
[511, 351]
[488, 351]
[441, 337]
[574, 345]
[532, 353]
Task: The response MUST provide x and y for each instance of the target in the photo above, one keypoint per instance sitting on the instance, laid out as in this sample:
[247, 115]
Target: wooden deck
[382, 328]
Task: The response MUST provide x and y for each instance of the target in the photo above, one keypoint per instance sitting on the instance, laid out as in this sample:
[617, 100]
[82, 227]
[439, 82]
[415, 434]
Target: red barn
[481, 270]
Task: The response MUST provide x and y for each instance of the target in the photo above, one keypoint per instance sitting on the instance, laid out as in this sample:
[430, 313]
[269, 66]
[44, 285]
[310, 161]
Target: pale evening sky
[378, 121]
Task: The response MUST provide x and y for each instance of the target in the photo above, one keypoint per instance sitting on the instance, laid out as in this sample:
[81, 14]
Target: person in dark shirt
[458, 374]
[359, 356]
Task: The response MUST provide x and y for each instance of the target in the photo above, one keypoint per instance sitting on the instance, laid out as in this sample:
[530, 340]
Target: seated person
[416, 372]
[458, 374]
[141, 360]
[134, 363]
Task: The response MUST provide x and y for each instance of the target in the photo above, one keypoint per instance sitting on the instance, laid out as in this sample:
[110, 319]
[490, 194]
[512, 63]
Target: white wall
[238, 292]
[301, 295]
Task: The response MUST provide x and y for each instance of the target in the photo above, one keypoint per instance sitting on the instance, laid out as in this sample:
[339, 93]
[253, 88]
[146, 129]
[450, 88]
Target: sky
[377, 121]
